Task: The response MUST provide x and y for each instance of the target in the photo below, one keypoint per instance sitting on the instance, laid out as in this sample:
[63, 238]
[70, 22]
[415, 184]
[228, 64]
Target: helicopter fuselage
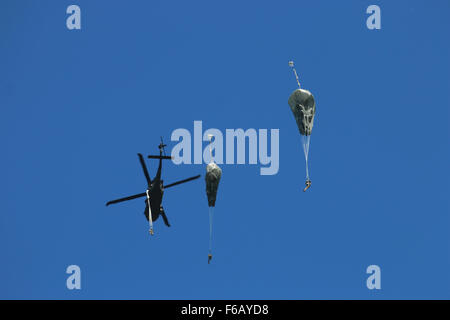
[155, 192]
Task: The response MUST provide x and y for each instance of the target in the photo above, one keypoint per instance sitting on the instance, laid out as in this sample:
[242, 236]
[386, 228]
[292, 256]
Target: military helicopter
[155, 189]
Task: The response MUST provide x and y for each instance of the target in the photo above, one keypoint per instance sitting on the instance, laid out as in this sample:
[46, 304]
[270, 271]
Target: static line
[291, 64]
[210, 136]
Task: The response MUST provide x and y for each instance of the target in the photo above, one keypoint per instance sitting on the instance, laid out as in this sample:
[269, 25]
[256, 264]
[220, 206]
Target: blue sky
[76, 107]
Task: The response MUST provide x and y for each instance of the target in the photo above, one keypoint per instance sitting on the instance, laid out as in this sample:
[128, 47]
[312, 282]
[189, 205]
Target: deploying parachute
[212, 178]
[213, 174]
[303, 107]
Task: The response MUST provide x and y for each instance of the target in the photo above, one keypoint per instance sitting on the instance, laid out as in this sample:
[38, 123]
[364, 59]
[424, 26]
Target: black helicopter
[155, 189]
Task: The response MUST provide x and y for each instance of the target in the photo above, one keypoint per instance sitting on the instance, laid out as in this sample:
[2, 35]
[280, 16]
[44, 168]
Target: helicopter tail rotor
[162, 152]
[161, 146]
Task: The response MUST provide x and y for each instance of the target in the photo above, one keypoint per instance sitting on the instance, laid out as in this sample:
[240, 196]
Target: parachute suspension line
[211, 216]
[149, 213]
[291, 64]
[306, 140]
[307, 118]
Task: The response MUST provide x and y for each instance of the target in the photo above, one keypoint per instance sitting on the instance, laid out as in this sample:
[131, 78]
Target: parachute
[303, 107]
[213, 174]
[212, 178]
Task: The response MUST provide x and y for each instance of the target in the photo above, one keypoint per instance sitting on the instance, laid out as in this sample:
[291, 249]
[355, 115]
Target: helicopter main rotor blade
[139, 195]
[144, 167]
[182, 181]
[160, 157]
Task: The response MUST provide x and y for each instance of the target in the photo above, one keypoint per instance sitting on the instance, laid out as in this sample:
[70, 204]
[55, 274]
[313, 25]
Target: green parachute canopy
[213, 174]
[303, 107]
